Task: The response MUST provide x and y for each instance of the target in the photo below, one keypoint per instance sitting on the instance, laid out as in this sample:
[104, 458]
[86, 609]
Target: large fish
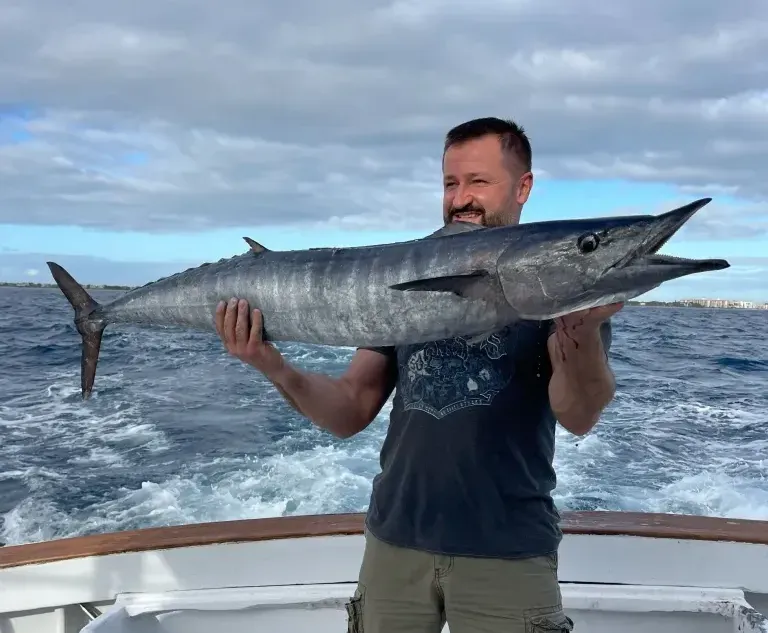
[465, 280]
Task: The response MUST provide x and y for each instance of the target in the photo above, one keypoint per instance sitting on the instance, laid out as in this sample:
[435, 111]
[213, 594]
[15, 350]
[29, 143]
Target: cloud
[16, 267]
[157, 117]
[721, 222]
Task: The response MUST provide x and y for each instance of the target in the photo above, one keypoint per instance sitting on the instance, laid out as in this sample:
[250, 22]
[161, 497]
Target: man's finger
[603, 312]
[242, 323]
[256, 325]
[219, 318]
[229, 322]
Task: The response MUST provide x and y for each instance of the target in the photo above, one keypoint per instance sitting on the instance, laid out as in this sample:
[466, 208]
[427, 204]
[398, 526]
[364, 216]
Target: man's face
[483, 184]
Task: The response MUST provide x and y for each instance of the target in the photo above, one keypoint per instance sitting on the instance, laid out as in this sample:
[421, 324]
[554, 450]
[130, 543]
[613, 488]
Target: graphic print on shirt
[442, 377]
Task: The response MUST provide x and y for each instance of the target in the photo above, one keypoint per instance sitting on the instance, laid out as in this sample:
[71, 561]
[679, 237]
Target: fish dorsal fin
[255, 246]
[476, 284]
[456, 227]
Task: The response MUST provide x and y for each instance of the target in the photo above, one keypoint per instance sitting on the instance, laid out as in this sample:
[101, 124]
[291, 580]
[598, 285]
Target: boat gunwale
[595, 523]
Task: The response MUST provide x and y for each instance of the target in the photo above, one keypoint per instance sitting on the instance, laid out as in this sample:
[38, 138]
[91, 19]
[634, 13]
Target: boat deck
[618, 571]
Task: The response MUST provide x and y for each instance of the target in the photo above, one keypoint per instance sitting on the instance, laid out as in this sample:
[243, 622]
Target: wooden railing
[673, 526]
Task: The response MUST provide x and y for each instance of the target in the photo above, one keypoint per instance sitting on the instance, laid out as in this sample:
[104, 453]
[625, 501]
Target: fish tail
[91, 330]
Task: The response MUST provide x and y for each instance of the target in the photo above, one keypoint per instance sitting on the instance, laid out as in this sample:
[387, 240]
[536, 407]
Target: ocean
[179, 432]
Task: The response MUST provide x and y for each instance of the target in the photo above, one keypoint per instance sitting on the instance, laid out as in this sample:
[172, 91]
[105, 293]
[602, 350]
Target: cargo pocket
[355, 612]
[552, 621]
[552, 560]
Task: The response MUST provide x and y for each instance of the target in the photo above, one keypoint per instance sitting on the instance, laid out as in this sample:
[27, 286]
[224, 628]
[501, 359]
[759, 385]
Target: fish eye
[588, 243]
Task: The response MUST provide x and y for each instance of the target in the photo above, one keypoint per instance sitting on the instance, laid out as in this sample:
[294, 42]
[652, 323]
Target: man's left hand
[584, 322]
[582, 384]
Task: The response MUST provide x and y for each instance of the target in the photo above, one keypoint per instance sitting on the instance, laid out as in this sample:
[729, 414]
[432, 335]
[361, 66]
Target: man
[461, 525]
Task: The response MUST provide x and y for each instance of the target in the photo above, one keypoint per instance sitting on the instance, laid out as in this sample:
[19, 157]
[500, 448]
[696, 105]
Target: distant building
[724, 303]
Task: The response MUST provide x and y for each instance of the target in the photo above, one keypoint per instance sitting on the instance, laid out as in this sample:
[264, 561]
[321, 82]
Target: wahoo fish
[463, 280]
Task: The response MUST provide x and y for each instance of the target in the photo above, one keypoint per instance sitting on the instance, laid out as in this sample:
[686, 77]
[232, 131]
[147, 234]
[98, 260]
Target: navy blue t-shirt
[466, 466]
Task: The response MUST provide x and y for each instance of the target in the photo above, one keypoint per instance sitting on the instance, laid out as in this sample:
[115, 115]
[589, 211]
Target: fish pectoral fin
[255, 246]
[478, 284]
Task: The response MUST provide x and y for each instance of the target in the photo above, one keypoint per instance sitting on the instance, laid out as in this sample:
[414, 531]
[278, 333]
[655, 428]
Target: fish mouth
[702, 265]
[663, 227]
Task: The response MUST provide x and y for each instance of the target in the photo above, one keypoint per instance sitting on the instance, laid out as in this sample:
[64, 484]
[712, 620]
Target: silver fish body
[463, 280]
[330, 296]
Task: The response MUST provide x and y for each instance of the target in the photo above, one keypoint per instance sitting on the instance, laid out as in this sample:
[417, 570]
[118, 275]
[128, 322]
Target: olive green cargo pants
[408, 591]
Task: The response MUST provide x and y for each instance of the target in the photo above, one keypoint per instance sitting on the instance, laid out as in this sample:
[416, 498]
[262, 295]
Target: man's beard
[487, 220]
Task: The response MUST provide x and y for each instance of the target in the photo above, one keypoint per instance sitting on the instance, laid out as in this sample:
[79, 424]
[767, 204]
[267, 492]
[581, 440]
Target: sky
[139, 138]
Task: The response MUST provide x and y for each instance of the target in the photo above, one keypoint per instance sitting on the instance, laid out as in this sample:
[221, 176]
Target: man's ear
[524, 186]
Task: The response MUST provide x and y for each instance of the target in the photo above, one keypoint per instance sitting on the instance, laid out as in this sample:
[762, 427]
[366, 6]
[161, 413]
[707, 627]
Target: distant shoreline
[682, 304]
[25, 284]
[640, 304]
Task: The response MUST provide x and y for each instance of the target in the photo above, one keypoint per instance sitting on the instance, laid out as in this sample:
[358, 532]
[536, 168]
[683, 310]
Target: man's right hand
[242, 333]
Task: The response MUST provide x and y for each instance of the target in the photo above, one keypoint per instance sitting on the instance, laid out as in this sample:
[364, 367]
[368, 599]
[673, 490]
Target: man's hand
[241, 334]
[582, 384]
[572, 327]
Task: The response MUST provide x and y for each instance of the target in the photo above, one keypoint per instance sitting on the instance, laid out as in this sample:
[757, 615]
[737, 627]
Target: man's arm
[582, 382]
[343, 406]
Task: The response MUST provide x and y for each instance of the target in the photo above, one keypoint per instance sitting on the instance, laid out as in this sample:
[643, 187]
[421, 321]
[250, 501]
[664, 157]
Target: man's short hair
[511, 135]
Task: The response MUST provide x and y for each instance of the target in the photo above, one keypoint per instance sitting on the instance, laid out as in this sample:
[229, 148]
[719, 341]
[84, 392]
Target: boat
[619, 571]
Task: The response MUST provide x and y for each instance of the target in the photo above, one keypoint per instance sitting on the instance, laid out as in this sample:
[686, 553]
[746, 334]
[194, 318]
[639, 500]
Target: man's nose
[462, 196]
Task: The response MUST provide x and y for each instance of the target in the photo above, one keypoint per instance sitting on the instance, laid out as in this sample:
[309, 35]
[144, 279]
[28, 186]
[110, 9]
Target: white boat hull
[595, 608]
[239, 576]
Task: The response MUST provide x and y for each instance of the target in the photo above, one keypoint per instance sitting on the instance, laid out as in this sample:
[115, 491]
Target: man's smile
[469, 215]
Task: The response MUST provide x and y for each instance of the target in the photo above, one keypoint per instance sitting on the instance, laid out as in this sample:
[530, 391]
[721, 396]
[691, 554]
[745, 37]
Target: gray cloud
[285, 112]
[16, 267]
[720, 222]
